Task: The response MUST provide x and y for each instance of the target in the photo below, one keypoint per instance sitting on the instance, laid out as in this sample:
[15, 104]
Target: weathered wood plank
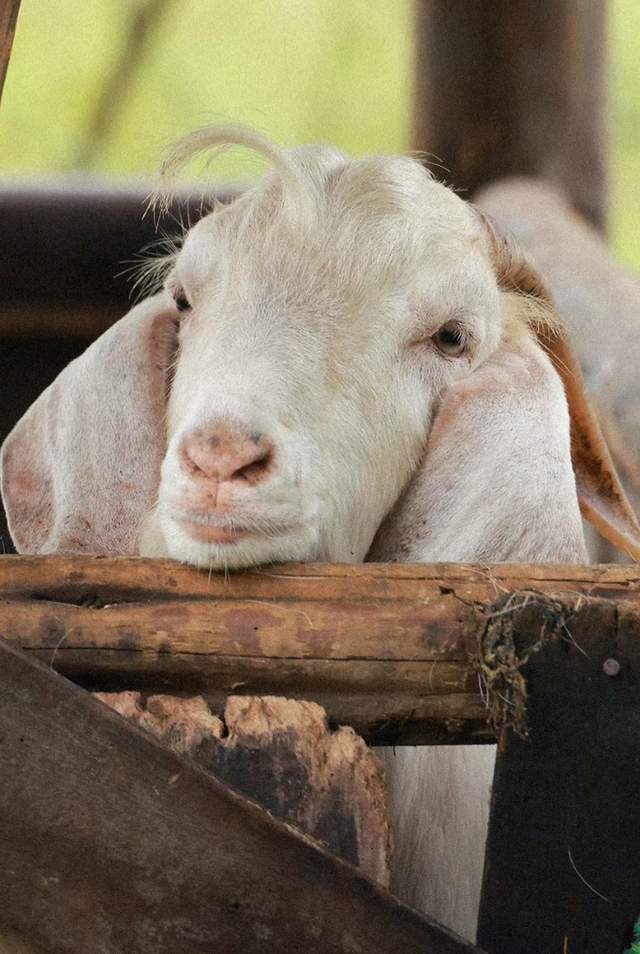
[562, 870]
[137, 576]
[515, 87]
[8, 18]
[110, 842]
[385, 649]
[281, 753]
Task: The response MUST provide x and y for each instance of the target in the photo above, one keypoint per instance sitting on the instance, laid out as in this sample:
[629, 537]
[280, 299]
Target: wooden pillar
[562, 869]
[8, 16]
[512, 87]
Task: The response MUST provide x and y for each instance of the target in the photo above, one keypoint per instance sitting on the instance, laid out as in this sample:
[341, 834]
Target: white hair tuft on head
[220, 137]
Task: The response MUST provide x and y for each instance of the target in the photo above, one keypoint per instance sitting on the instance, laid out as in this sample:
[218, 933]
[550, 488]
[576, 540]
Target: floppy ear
[509, 447]
[81, 469]
[496, 482]
[602, 498]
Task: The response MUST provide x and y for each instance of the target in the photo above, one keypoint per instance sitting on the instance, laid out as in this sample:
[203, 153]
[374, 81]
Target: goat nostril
[227, 456]
[255, 470]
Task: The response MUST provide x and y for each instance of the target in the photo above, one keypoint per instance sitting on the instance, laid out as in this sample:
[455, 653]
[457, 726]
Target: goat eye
[181, 300]
[451, 338]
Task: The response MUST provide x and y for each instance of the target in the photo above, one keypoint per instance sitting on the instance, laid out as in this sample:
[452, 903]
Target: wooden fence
[407, 654]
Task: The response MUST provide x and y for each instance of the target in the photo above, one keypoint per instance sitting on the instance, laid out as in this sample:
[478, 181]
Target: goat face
[321, 317]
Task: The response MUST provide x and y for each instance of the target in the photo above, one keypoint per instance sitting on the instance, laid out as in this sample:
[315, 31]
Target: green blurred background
[299, 70]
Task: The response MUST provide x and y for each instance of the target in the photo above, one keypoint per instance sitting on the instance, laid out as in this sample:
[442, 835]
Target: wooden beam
[562, 870]
[515, 87]
[67, 245]
[110, 842]
[386, 649]
[8, 17]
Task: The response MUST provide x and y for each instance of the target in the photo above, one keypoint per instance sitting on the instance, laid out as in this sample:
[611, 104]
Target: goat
[348, 362]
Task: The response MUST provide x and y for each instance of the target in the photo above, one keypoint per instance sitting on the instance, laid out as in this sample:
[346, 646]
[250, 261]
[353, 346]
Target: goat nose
[224, 455]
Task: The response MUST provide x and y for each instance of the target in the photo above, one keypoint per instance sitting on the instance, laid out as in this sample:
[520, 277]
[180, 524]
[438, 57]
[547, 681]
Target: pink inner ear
[602, 498]
[81, 469]
[30, 515]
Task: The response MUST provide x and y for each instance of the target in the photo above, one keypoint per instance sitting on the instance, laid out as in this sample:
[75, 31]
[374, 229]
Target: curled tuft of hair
[218, 138]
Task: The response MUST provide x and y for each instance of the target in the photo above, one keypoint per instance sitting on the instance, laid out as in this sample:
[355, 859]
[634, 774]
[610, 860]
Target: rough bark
[280, 753]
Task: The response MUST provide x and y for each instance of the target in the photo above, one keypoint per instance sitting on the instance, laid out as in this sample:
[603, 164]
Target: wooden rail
[387, 649]
[68, 242]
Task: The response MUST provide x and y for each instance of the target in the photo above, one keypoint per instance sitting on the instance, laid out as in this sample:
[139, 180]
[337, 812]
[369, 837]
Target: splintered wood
[280, 753]
[391, 650]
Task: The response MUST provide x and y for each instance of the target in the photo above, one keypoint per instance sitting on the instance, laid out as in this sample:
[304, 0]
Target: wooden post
[110, 842]
[515, 87]
[562, 869]
[8, 17]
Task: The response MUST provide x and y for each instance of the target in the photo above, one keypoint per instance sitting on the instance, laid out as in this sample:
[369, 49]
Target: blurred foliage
[299, 70]
[624, 57]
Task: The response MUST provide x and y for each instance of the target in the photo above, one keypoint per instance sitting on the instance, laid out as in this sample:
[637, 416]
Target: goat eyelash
[149, 268]
[451, 339]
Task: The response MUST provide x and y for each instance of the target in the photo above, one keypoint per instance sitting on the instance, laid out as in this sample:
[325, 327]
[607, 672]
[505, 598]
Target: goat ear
[81, 469]
[496, 482]
[602, 498]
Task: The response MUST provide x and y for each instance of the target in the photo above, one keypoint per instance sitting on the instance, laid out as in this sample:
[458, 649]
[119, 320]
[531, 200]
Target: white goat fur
[315, 286]
[315, 298]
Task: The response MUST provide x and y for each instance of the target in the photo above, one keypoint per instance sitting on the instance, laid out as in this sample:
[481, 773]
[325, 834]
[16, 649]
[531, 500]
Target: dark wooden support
[66, 245]
[515, 87]
[8, 17]
[563, 855]
[110, 842]
[385, 649]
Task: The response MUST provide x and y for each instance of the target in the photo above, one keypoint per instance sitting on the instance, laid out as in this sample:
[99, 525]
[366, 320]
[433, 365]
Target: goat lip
[210, 534]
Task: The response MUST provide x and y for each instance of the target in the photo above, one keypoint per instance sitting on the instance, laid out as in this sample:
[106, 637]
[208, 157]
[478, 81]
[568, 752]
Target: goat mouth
[211, 534]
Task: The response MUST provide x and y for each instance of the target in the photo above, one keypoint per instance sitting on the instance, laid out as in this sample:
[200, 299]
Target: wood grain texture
[386, 649]
[112, 843]
[8, 17]
[515, 87]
